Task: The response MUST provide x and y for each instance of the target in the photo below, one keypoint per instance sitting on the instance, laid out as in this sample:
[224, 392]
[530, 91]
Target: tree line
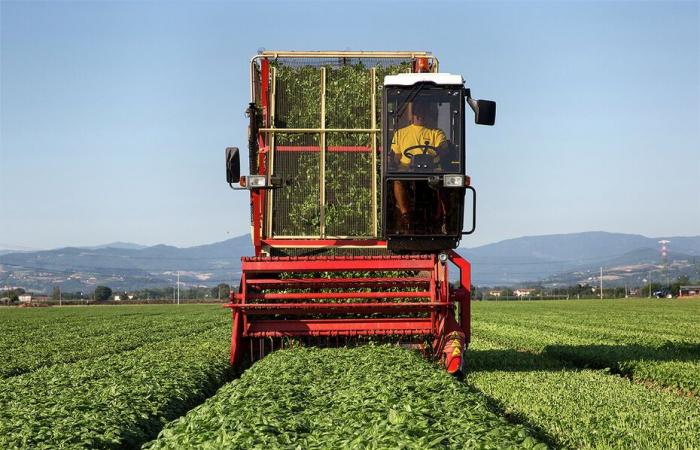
[101, 293]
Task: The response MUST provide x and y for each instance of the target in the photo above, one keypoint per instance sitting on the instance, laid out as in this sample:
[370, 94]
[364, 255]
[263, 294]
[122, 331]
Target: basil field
[541, 374]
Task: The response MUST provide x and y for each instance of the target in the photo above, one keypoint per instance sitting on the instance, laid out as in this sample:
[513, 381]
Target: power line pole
[601, 283]
[178, 287]
[664, 260]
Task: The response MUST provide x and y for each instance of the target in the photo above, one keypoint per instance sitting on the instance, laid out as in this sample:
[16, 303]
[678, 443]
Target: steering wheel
[423, 160]
[424, 147]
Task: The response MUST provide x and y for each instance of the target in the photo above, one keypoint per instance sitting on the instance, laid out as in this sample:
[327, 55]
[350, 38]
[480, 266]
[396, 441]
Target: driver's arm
[395, 150]
[444, 153]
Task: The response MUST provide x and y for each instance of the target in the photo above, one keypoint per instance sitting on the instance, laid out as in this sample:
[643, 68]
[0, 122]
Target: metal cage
[320, 136]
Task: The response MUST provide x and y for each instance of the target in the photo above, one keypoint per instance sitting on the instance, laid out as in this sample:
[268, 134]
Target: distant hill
[550, 259]
[122, 267]
[569, 258]
[119, 245]
[8, 248]
[631, 269]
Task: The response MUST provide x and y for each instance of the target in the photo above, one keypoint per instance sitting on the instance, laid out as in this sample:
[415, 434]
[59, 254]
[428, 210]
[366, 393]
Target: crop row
[649, 322]
[657, 351]
[49, 337]
[582, 408]
[365, 397]
[113, 401]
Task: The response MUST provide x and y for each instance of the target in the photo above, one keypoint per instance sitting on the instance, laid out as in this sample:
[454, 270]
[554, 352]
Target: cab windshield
[424, 130]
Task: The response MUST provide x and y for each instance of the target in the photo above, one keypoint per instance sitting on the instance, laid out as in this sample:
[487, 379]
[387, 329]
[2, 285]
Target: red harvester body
[329, 269]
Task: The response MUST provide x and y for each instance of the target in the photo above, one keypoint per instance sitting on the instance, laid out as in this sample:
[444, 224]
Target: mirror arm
[472, 103]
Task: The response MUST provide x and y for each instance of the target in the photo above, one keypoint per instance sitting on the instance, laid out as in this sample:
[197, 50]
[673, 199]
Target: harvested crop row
[115, 401]
[365, 397]
[53, 336]
[641, 355]
[582, 408]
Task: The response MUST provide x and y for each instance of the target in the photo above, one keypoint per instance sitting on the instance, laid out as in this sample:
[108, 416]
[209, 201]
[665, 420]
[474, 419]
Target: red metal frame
[258, 196]
[330, 148]
[340, 327]
[258, 304]
[321, 243]
[425, 304]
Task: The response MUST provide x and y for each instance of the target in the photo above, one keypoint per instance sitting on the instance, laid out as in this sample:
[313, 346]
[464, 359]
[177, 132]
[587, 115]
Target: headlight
[453, 180]
[255, 181]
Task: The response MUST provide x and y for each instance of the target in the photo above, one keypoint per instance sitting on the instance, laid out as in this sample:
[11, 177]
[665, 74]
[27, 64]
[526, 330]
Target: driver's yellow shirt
[412, 135]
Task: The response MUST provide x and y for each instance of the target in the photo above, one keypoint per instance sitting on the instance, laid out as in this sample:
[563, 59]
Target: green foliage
[12, 294]
[119, 399]
[367, 397]
[45, 337]
[221, 291]
[113, 376]
[348, 185]
[102, 293]
[582, 408]
[649, 340]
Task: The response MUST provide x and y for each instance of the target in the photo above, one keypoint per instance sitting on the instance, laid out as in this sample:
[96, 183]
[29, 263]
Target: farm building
[689, 291]
[30, 299]
[523, 292]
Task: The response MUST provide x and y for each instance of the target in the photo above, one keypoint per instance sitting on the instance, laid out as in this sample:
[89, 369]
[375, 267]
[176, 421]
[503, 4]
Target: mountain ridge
[554, 259]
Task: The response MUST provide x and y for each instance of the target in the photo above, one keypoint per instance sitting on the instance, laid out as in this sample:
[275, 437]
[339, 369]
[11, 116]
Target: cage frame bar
[373, 107]
[322, 162]
[271, 150]
[435, 66]
[318, 130]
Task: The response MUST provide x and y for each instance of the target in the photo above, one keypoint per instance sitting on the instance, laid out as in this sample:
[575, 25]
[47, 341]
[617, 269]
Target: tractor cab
[423, 160]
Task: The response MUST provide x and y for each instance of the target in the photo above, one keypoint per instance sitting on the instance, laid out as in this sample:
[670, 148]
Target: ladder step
[338, 327]
[319, 283]
[252, 309]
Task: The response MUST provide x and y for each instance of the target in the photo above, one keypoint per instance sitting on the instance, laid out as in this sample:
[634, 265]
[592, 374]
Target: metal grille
[340, 60]
[348, 185]
[297, 96]
[349, 97]
[323, 138]
[295, 207]
[333, 251]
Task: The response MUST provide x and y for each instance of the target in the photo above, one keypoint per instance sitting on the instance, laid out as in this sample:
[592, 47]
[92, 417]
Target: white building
[523, 292]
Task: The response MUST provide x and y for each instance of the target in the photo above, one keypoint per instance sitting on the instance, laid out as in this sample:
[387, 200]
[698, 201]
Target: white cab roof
[409, 79]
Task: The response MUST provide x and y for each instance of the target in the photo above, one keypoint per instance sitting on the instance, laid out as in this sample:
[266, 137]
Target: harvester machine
[357, 201]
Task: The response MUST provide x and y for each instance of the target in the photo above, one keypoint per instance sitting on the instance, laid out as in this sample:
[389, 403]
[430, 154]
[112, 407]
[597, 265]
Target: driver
[417, 133]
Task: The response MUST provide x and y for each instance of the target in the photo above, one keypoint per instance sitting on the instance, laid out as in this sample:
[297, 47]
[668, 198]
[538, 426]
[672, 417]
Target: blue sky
[115, 116]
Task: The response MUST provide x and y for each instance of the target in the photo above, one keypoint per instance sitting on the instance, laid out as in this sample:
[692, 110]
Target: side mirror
[233, 165]
[485, 112]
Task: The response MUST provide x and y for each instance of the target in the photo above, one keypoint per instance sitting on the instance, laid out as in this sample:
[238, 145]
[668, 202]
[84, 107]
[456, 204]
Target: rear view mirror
[233, 165]
[485, 112]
